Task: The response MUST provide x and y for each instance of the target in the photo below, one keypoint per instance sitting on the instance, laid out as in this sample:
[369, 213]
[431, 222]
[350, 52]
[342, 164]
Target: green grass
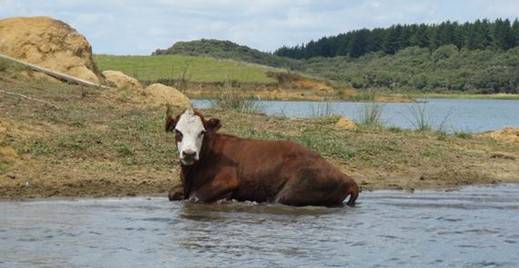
[177, 67]
[462, 134]
[3, 168]
[7, 66]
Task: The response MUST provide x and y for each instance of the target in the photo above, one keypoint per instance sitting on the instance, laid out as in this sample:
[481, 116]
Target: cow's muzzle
[188, 157]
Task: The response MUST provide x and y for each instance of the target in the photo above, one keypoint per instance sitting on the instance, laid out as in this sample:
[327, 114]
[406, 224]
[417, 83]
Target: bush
[446, 68]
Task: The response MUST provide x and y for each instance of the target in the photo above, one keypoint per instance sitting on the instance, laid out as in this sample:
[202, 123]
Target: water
[472, 227]
[449, 114]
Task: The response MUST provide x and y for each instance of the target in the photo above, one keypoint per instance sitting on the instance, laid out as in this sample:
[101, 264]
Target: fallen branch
[57, 75]
[30, 98]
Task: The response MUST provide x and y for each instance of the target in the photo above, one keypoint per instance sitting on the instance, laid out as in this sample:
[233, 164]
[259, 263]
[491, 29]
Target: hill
[446, 69]
[193, 68]
[207, 77]
[226, 50]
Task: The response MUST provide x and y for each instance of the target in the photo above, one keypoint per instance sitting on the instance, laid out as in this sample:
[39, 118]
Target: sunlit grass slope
[195, 69]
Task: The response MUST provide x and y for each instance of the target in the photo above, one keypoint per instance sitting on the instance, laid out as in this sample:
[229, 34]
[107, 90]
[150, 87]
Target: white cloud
[139, 27]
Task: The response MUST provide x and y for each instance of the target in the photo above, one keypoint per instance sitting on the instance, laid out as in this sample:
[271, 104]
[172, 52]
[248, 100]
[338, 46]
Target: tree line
[480, 34]
[445, 69]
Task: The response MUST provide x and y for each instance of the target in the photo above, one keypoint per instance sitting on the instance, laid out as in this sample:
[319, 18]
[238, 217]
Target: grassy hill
[446, 69]
[206, 77]
[226, 50]
[412, 70]
[195, 69]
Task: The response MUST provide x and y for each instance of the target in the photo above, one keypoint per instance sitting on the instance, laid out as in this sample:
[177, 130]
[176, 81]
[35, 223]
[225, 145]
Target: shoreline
[468, 96]
[312, 96]
[164, 195]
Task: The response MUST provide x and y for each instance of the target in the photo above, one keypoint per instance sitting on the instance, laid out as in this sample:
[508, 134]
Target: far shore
[281, 94]
[499, 96]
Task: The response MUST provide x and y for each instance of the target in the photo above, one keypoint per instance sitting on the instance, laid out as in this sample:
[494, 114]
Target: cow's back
[264, 166]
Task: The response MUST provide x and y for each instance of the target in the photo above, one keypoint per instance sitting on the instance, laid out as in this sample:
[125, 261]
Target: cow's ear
[212, 124]
[171, 123]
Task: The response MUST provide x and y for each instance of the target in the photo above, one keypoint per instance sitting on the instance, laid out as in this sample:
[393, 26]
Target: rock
[49, 43]
[121, 80]
[346, 123]
[507, 134]
[160, 94]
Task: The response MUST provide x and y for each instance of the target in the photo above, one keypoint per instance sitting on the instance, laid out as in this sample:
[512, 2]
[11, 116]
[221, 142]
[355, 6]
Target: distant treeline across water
[501, 34]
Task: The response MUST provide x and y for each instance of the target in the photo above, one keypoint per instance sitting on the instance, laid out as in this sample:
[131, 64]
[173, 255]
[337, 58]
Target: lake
[471, 227]
[451, 115]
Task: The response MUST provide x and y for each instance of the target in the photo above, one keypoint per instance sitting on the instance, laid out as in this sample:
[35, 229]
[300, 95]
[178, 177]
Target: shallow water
[451, 115]
[471, 227]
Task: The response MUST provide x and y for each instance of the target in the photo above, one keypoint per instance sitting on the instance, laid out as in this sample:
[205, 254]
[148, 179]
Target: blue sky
[140, 27]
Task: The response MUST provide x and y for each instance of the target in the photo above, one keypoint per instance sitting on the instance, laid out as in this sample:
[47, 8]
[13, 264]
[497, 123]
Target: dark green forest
[480, 34]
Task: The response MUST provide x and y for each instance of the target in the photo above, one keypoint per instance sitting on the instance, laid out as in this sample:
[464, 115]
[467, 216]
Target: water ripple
[468, 227]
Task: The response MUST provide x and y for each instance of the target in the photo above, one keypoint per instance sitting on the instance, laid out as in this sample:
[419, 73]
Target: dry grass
[101, 143]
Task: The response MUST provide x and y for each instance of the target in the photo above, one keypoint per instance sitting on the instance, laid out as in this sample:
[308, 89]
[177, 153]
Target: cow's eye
[201, 134]
[178, 134]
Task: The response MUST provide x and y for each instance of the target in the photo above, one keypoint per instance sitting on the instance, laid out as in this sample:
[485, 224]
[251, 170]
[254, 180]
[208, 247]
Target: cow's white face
[190, 132]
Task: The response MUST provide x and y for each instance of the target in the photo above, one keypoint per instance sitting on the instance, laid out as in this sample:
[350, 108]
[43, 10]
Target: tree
[377, 37]
[502, 34]
[392, 40]
[359, 43]
[515, 32]
[420, 37]
[483, 34]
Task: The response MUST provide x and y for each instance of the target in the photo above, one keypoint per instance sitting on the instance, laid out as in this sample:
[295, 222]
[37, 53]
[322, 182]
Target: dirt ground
[73, 141]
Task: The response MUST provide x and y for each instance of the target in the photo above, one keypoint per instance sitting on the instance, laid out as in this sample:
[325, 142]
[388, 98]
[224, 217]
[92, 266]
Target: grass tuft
[364, 95]
[420, 120]
[419, 117]
[323, 109]
[370, 115]
[462, 134]
[233, 100]
[3, 168]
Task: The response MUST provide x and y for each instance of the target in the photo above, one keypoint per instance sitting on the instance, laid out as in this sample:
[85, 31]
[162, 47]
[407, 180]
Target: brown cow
[217, 166]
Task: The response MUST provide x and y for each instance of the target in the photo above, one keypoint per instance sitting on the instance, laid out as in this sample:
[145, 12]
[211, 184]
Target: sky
[137, 27]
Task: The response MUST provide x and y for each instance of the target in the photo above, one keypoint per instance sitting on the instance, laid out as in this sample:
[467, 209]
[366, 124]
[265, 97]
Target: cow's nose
[189, 154]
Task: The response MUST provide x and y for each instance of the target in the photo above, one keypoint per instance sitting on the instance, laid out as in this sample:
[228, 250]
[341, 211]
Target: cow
[217, 166]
